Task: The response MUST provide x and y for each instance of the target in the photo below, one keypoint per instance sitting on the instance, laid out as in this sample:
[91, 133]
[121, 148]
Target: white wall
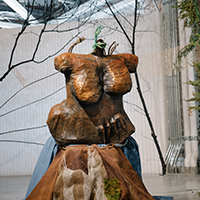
[20, 158]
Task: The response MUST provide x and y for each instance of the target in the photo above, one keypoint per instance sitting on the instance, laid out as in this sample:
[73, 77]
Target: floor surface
[180, 186]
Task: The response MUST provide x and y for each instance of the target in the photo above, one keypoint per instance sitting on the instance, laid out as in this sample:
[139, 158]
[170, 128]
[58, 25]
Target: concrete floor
[180, 186]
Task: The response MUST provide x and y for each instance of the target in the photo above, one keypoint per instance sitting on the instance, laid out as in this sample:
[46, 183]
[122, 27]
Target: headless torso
[93, 111]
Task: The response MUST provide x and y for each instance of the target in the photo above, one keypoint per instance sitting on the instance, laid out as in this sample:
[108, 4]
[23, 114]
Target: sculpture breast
[85, 79]
[116, 77]
[82, 73]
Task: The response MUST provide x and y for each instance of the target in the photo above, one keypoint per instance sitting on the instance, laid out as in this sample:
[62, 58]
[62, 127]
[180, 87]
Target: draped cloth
[76, 158]
[130, 150]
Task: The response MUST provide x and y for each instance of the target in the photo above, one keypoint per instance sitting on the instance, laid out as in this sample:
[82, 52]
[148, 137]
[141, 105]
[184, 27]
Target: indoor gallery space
[99, 99]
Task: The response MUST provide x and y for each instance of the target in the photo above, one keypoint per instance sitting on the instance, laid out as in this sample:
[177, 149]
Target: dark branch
[136, 18]
[134, 26]
[38, 62]
[39, 40]
[123, 17]
[15, 45]
[35, 51]
[118, 22]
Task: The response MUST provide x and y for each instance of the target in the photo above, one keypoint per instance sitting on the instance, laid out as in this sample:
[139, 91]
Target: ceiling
[14, 13]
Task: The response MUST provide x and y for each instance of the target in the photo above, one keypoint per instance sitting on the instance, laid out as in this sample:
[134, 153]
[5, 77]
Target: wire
[25, 142]
[25, 129]
[32, 102]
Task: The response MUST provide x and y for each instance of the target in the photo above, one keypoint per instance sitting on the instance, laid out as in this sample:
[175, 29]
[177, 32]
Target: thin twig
[118, 22]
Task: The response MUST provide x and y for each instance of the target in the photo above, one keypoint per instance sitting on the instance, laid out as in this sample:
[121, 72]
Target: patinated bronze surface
[93, 111]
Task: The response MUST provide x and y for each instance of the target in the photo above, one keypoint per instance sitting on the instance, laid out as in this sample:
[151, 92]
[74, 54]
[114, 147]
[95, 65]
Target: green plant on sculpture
[189, 12]
[112, 189]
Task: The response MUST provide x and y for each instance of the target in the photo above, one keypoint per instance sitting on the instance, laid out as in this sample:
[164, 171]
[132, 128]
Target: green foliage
[112, 189]
[196, 84]
[189, 12]
[193, 42]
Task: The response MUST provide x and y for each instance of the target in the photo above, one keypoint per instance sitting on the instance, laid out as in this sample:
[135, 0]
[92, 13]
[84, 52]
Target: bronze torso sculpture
[93, 111]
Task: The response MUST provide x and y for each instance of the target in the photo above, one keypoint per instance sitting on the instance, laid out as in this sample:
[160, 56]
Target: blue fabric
[46, 156]
[162, 198]
[130, 150]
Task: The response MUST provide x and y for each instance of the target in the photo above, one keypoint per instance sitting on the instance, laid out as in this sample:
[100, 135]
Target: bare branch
[136, 18]
[15, 45]
[67, 30]
[123, 17]
[38, 62]
[134, 26]
[118, 22]
[35, 51]
[39, 40]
